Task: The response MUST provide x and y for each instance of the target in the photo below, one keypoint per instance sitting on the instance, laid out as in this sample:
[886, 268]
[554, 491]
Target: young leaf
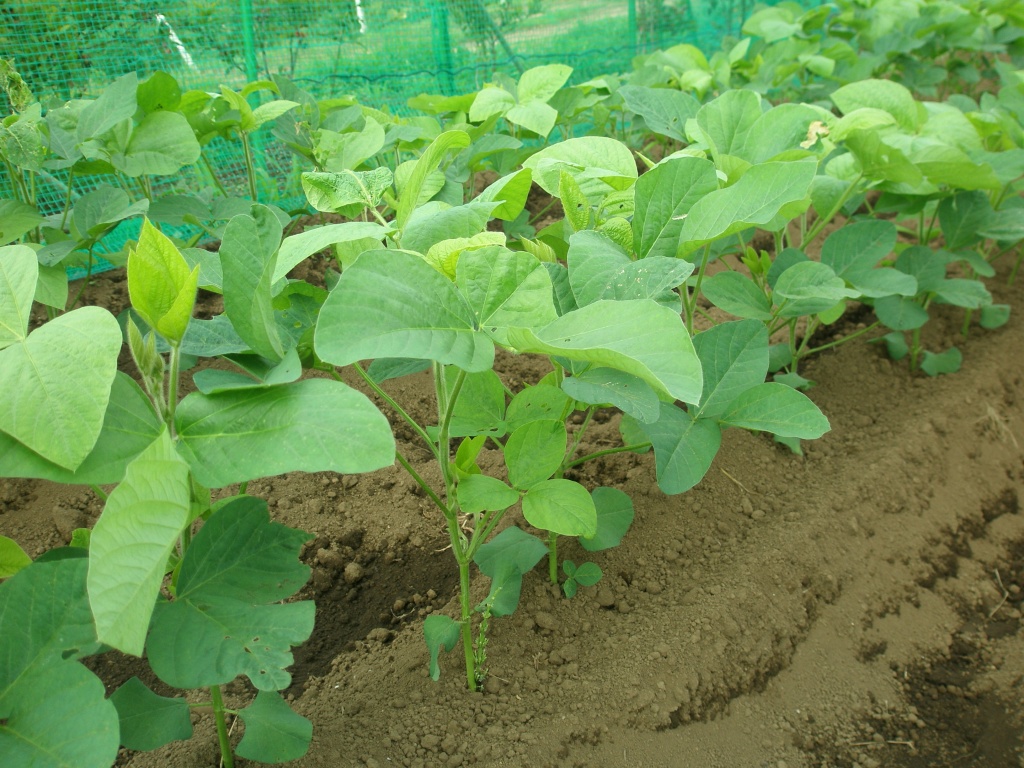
[542, 82]
[12, 557]
[19, 271]
[534, 452]
[333, 192]
[441, 632]
[778, 409]
[131, 542]
[994, 316]
[664, 197]
[224, 622]
[738, 295]
[161, 145]
[574, 204]
[539, 402]
[734, 358]
[900, 313]
[312, 425]
[886, 95]
[480, 409]
[600, 156]
[274, 733]
[479, 493]
[56, 415]
[511, 191]
[149, 721]
[394, 304]
[598, 385]
[427, 163]
[161, 286]
[533, 115]
[684, 447]
[664, 110]
[560, 506]
[614, 516]
[638, 336]
[949, 361]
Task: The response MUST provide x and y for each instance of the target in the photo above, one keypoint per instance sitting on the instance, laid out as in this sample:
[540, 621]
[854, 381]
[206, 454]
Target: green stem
[607, 452]
[467, 624]
[391, 402]
[915, 348]
[213, 176]
[250, 166]
[67, 200]
[243, 487]
[172, 388]
[99, 493]
[422, 483]
[845, 339]
[443, 447]
[823, 222]
[553, 557]
[85, 280]
[226, 756]
[576, 440]
[691, 299]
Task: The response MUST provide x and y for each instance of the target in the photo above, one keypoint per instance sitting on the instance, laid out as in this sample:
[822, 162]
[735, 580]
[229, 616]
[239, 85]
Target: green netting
[380, 51]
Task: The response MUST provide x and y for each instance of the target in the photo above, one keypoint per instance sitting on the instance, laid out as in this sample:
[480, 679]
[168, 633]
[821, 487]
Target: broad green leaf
[664, 197]
[440, 631]
[129, 426]
[148, 721]
[56, 415]
[970, 294]
[425, 165]
[479, 493]
[247, 256]
[963, 217]
[310, 426]
[480, 409]
[684, 447]
[857, 247]
[886, 95]
[13, 557]
[512, 546]
[614, 516]
[600, 269]
[385, 368]
[880, 160]
[346, 151]
[272, 110]
[434, 223]
[533, 115]
[17, 218]
[928, 267]
[161, 285]
[780, 129]
[756, 198]
[598, 385]
[116, 104]
[211, 381]
[161, 145]
[900, 313]
[776, 408]
[994, 316]
[725, 121]
[738, 295]
[597, 155]
[637, 336]
[574, 204]
[225, 620]
[52, 709]
[943, 163]
[19, 272]
[935, 364]
[539, 402]
[511, 191]
[131, 542]
[274, 732]
[734, 358]
[97, 212]
[542, 82]
[664, 110]
[296, 248]
[809, 287]
[491, 100]
[333, 192]
[394, 304]
[561, 506]
[534, 452]
[52, 287]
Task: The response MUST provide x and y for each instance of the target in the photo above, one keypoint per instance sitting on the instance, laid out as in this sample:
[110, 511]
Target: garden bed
[859, 605]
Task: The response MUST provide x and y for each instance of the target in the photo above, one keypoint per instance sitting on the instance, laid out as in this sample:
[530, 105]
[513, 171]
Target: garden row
[648, 296]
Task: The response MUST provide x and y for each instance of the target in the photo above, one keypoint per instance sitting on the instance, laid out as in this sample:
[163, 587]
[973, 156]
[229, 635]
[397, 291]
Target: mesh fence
[381, 51]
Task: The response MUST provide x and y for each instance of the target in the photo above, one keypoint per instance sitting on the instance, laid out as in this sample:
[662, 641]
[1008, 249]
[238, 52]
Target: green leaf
[598, 156]
[880, 160]
[781, 129]
[272, 110]
[664, 110]
[935, 364]
[534, 452]
[540, 402]
[274, 733]
[587, 574]
[637, 336]
[533, 115]
[900, 313]
[857, 247]
[12, 557]
[810, 287]
[994, 316]
[886, 95]
[247, 256]
[512, 547]
[725, 121]
[116, 104]
[225, 620]
[161, 145]
[162, 288]
[440, 632]
[436, 222]
[52, 709]
[738, 295]
[598, 385]
[511, 191]
[963, 217]
[52, 287]
[970, 294]
[734, 358]
[311, 426]
[56, 415]
[479, 493]
[505, 289]
[491, 100]
[776, 408]
[664, 197]
[427, 163]
[394, 304]
[132, 541]
[542, 82]
[925, 265]
[386, 368]
[296, 248]
[333, 192]
[560, 506]
[149, 721]
[755, 199]
[480, 409]
[574, 204]
[614, 516]
[684, 447]
[895, 345]
[19, 272]
[97, 212]
[17, 218]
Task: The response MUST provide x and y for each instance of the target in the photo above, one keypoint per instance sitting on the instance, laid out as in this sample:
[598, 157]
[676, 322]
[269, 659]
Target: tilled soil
[859, 605]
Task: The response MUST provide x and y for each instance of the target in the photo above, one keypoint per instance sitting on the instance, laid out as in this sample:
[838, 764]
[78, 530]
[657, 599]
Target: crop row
[647, 295]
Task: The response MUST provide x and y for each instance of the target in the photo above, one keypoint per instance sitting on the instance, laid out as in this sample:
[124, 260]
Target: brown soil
[856, 606]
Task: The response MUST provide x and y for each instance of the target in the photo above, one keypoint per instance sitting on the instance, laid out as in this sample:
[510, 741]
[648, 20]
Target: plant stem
[391, 402]
[85, 280]
[99, 493]
[213, 176]
[467, 623]
[607, 452]
[823, 222]
[222, 728]
[843, 340]
[577, 438]
[691, 299]
[250, 166]
[553, 557]
[67, 200]
[421, 482]
[172, 388]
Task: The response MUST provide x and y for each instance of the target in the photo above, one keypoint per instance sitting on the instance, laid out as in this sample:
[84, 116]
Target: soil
[859, 605]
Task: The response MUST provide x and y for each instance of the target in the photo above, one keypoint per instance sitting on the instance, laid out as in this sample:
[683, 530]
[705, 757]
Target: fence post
[248, 41]
[442, 44]
[634, 42]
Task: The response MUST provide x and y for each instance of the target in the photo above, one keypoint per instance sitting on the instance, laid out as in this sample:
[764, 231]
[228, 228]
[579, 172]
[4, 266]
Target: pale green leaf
[274, 733]
[561, 506]
[19, 272]
[148, 721]
[776, 408]
[734, 358]
[534, 452]
[664, 197]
